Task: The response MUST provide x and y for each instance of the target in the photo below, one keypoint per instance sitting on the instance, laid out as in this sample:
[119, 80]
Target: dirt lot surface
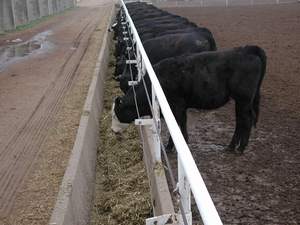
[261, 187]
[44, 79]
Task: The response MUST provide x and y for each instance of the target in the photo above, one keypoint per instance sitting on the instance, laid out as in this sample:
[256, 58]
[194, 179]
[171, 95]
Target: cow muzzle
[116, 126]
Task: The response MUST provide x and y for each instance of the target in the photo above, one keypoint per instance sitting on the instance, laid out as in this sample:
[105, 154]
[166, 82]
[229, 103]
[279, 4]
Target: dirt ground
[41, 99]
[261, 187]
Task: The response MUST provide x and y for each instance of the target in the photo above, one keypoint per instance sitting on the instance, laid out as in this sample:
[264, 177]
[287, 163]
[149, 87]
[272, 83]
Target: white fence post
[156, 121]
[185, 192]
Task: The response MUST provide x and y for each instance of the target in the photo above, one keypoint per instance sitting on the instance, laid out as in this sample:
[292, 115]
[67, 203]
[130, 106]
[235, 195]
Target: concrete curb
[74, 201]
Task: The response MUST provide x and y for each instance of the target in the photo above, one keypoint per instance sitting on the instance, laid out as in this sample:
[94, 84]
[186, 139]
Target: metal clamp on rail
[143, 122]
[148, 122]
[132, 82]
[133, 61]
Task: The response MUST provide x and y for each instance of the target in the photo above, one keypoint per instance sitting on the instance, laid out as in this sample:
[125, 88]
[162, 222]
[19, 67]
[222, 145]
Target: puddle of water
[22, 50]
[36, 45]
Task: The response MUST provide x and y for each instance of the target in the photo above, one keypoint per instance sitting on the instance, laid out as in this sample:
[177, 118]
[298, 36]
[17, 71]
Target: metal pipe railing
[203, 200]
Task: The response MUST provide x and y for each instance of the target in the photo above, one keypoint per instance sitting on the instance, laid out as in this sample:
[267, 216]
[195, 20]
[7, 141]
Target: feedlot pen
[263, 185]
[260, 187]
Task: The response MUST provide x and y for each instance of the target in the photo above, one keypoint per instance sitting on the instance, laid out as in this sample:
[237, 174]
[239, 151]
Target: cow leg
[236, 136]
[246, 121]
[179, 111]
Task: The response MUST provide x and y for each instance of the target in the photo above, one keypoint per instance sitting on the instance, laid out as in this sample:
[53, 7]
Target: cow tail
[262, 55]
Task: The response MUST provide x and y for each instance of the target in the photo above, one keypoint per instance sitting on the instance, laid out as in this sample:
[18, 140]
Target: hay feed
[122, 193]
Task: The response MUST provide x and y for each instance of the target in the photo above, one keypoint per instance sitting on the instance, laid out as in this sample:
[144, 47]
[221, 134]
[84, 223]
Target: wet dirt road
[39, 68]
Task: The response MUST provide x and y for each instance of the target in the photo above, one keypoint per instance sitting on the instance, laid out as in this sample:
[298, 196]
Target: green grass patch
[33, 23]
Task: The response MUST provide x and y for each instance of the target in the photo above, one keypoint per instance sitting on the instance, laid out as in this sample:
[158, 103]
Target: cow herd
[190, 69]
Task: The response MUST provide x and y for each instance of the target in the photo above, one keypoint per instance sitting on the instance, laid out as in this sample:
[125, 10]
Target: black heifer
[169, 46]
[204, 81]
[155, 28]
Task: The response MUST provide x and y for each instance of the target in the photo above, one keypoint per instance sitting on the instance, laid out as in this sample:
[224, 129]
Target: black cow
[177, 44]
[169, 46]
[138, 11]
[163, 27]
[204, 81]
[199, 39]
[159, 20]
[147, 36]
[154, 28]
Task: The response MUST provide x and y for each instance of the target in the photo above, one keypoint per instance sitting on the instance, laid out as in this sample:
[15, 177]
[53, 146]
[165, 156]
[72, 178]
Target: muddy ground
[261, 187]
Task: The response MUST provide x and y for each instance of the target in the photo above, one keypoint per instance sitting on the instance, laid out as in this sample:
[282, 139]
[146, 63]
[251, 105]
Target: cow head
[122, 114]
[124, 109]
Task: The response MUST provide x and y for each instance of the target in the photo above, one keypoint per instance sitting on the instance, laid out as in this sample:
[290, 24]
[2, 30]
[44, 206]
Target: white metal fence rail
[189, 175]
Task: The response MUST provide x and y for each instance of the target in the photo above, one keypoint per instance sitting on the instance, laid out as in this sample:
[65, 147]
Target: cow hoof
[239, 151]
[229, 149]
